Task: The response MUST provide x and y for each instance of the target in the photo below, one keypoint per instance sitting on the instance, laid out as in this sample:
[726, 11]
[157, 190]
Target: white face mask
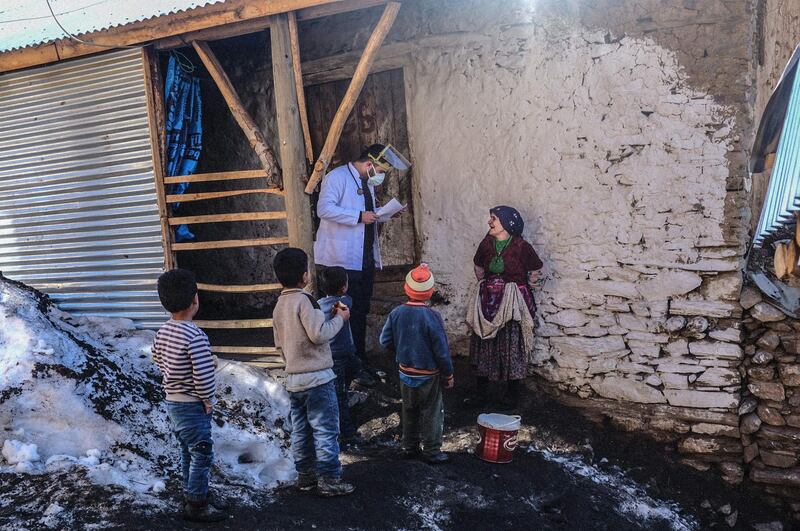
[376, 179]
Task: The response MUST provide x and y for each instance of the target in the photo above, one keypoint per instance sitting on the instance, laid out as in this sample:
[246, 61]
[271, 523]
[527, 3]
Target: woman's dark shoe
[365, 379]
[203, 512]
[475, 402]
[333, 487]
[437, 458]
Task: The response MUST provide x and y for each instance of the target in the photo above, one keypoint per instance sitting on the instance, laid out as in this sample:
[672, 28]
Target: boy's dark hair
[374, 150]
[289, 265]
[176, 289]
[333, 280]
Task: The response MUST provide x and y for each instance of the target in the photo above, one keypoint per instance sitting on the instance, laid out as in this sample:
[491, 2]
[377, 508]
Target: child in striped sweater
[182, 353]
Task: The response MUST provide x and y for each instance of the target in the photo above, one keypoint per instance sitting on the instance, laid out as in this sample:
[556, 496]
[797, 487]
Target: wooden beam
[235, 323]
[240, 114]
[294, 41]
[244, 350]
[156, 121]
[343, 66]
[209, 16]
[239, 288]
[235, 29]
[221, 218]
[344, 6]
[290, 134]
[228, 244]
[180, 198]
[353, 91]
[216, 176]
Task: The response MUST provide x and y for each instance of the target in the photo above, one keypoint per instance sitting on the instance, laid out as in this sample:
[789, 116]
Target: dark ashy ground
[578, 476]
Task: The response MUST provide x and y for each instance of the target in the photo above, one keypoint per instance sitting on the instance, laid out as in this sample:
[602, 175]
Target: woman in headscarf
[501, 315]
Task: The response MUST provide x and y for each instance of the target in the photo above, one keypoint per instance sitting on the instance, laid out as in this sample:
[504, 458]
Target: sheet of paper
[388, 210]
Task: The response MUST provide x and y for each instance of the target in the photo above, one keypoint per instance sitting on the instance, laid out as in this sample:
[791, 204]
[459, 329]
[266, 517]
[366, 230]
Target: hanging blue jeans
[315, 431]
[192, 427]
[184, 130]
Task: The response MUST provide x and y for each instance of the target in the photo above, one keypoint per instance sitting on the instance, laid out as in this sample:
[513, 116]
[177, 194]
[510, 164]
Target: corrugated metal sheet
[783, 193]
[27, 23]
[78, 211]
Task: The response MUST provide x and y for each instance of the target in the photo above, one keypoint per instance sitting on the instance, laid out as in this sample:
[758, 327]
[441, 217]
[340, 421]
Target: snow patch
[82, 393]
[632, 500]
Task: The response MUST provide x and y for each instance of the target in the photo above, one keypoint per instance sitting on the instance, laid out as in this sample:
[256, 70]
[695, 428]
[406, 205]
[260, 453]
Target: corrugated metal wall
[78, 212]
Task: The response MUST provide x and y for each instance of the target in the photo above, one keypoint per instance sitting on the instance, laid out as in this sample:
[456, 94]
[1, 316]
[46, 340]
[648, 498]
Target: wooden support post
[240, 114]
[156, 121]
[290, 134]
[353, 91]
[294, 38]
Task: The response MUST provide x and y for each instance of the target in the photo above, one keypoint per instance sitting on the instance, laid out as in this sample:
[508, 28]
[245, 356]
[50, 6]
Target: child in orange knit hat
[415, 333]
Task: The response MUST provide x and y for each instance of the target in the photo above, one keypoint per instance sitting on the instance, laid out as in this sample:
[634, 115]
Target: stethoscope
[360, 189]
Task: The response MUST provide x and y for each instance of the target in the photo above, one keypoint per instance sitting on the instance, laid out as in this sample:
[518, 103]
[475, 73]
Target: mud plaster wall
[617, 129]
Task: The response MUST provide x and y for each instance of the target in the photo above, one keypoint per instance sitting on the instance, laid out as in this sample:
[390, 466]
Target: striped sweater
[183, 355]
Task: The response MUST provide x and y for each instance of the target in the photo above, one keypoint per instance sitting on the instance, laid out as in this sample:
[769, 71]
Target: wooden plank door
[379, 116]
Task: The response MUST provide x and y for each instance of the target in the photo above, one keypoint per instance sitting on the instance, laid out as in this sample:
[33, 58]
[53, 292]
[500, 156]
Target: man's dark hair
[333, 280]
[176, 289]
[374, 150]
[289, 265]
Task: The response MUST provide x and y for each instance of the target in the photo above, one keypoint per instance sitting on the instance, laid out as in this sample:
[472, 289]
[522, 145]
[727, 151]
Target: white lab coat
[340, 237]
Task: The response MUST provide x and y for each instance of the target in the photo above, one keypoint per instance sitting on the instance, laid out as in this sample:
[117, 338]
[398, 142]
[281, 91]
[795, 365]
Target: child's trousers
[315, 431]
[192, 427]
[423, 416]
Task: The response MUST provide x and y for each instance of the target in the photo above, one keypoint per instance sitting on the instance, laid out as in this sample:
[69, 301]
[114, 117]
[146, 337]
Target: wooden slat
[217, 176]
[238, 288]
[353, 90]
[235, 323]
[251, 130]
[343, 66]
[327, 10]
[294, 41]
[181, 198]
[189, 20]
[156, 120]
[219, 218]
[245, 350]
[258, 24]
[227, 244]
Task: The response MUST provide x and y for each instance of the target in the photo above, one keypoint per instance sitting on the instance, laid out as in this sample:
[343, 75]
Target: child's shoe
[437, 458]
[203, 512]
[333, 487]
[409, 453]
[306, 482]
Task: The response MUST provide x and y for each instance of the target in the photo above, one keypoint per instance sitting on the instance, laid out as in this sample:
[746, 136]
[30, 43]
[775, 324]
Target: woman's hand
[535, 278]
[479, 272]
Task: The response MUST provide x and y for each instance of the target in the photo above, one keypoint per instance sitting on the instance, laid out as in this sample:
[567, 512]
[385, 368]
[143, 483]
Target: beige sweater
[302, 333]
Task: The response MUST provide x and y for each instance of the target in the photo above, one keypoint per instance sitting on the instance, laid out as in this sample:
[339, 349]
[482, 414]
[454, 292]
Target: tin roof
[29, 22]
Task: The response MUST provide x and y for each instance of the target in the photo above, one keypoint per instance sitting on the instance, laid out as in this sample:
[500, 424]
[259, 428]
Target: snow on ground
[81, 393]
[632, 500]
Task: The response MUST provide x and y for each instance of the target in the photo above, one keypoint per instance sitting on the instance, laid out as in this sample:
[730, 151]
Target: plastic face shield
[391, 158]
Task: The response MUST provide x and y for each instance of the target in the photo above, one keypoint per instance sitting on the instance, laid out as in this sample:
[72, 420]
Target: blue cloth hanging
[184, 130]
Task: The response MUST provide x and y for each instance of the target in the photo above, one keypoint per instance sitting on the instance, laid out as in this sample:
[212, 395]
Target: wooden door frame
[340, 67]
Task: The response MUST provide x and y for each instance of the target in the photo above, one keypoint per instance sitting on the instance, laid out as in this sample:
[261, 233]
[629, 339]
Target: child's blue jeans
[192, 427]
[315, 431]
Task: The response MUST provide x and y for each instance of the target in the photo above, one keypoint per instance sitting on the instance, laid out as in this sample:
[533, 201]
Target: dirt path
[567, 474]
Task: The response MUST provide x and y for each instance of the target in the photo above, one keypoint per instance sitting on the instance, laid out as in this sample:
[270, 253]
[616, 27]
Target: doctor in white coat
[348, 235]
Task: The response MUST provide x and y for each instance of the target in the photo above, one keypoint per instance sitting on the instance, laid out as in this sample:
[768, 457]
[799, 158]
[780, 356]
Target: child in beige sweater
[302, 334]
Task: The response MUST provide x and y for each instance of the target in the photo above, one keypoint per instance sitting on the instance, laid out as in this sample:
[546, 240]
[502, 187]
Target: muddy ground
[567, 474]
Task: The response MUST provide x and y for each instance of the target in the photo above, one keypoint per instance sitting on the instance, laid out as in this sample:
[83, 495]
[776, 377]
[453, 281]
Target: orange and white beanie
[419, 283]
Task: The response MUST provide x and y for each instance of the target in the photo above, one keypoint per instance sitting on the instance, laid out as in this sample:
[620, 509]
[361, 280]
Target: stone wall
[770, 406]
